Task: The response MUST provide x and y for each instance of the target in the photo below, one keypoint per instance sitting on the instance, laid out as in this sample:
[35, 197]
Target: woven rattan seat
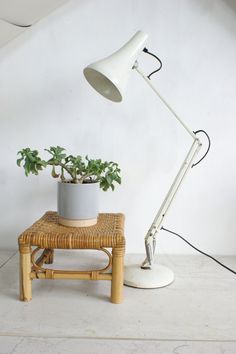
[47, 234]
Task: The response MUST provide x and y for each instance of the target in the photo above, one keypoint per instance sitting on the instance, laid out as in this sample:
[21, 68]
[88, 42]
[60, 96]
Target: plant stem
[81, 179]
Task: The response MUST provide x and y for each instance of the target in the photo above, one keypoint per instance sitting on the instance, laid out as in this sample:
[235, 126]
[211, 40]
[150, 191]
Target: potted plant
[80, 179]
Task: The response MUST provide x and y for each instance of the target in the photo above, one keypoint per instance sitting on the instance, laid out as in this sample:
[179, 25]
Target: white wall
[44, 100]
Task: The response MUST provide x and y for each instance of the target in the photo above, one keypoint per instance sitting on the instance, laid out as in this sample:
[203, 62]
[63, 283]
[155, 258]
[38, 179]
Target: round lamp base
[157, 277]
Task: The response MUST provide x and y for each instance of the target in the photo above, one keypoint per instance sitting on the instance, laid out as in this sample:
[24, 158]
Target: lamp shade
[109, 76]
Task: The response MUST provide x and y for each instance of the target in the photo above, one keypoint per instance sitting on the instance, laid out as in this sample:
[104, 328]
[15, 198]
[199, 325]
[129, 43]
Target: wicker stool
[46, 234]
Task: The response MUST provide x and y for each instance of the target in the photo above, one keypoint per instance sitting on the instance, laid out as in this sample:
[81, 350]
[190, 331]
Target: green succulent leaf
[77, 168]
[18, 161]
[53, 173]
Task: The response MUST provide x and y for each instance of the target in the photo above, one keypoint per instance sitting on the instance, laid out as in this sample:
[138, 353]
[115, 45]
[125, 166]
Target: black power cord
[208, 148]
[16, 24]
[175, 233]
[145, 50]
[198, 250]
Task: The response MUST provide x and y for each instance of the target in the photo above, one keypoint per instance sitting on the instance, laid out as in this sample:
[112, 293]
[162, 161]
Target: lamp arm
[148, 81]
[150, 239]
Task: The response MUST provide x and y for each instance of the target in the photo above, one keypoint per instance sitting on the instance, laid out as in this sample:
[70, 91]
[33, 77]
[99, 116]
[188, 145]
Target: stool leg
[117, 275]
[50, 257]
[25, 270]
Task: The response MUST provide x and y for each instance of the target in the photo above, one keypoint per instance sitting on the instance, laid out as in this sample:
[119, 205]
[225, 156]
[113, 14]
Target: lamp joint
[135, 66]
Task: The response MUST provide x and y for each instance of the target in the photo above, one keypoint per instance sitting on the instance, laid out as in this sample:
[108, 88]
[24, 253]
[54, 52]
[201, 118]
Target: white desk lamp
[109, 77]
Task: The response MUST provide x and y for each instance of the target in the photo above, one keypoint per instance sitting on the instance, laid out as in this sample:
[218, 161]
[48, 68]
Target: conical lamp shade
[109, 76]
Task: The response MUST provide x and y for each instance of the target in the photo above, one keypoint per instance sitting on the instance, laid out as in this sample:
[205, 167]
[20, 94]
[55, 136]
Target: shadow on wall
[223, 12]
[229, 21]
[231, 4]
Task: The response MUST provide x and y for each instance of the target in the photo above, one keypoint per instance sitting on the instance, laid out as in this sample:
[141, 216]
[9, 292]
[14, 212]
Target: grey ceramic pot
[77, 204]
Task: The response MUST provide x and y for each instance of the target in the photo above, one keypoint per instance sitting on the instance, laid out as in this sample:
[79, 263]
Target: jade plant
[71, 169]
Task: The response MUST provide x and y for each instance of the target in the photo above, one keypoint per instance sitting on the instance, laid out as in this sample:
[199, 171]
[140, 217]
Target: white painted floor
[194, 315]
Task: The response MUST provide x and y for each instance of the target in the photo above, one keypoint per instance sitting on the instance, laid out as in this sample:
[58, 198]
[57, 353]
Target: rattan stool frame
[47, 234]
